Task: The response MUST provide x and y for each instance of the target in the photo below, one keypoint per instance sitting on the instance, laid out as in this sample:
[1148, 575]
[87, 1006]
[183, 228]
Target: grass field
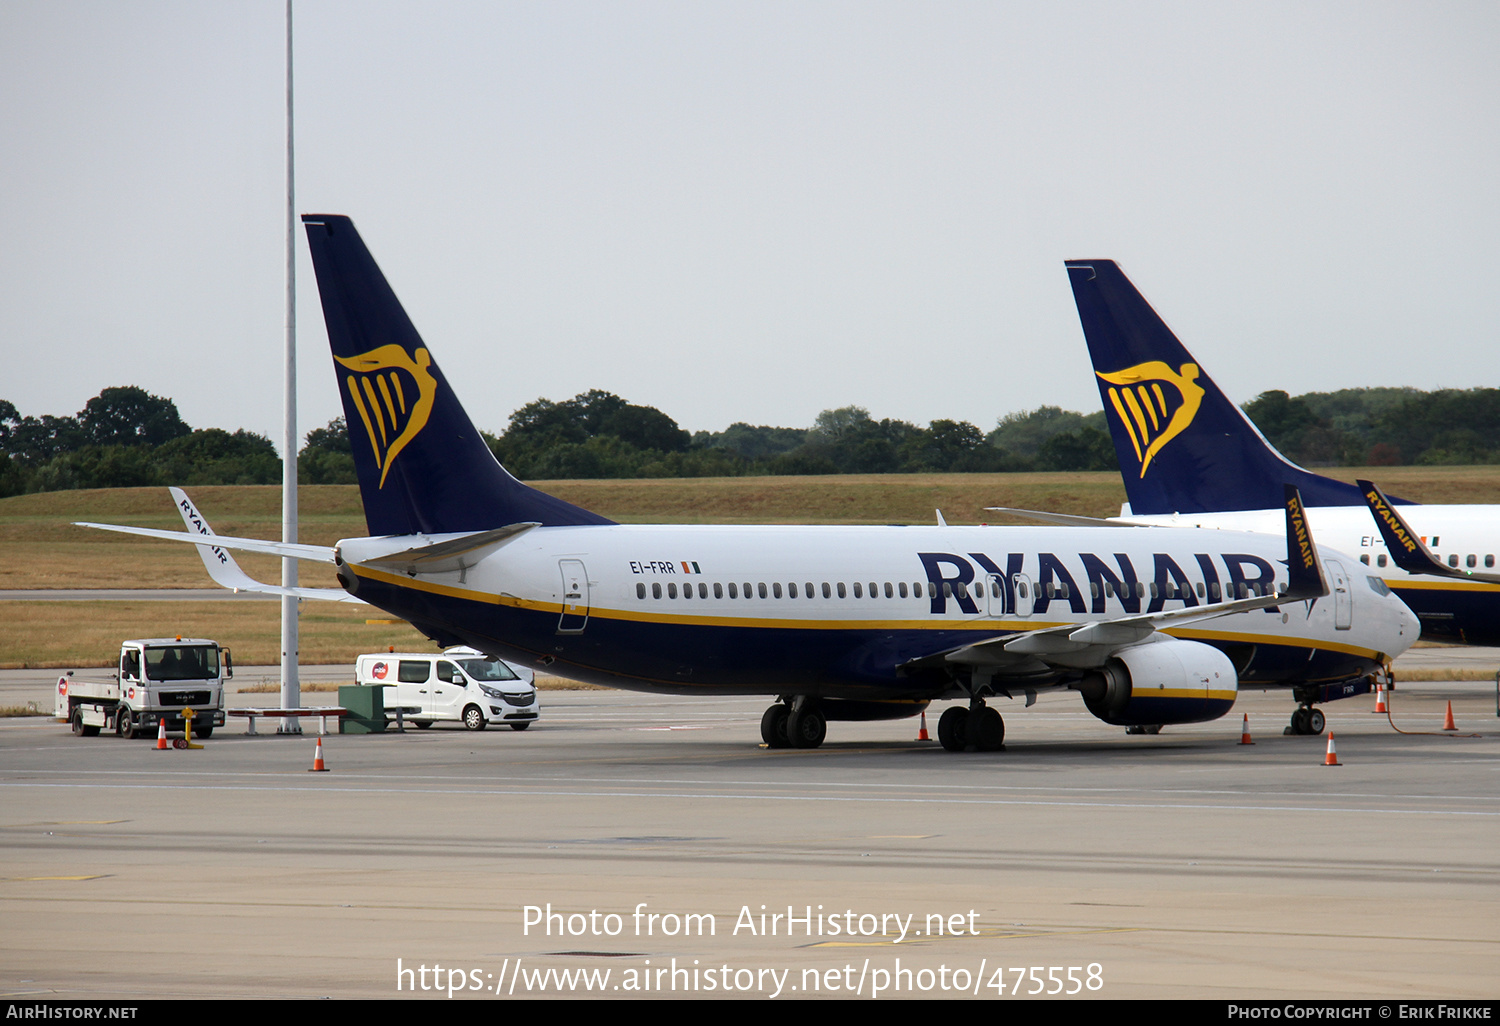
[70, 635]
[39, 547]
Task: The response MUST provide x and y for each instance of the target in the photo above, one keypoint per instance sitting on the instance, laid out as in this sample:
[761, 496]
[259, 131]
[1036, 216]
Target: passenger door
[1338, 580]
[575, 603]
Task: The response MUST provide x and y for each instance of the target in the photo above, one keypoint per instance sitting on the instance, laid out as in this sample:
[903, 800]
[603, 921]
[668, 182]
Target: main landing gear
[796, 724]
[1306, 720]
[978, 727]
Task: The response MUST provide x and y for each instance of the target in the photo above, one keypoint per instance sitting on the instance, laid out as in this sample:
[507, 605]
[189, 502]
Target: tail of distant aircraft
[1183, 447]
[423, 468]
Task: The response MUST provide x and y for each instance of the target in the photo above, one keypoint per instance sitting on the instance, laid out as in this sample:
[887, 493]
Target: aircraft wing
[1407, 547]
[1092, 644]
[227, 573]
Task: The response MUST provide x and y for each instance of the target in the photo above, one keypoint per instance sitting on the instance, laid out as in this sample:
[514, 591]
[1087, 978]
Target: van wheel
[474, 718]
[520, 726]
[422, 724]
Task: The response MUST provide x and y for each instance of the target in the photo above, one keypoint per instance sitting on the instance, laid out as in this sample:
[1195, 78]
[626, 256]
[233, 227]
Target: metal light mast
[291, 689]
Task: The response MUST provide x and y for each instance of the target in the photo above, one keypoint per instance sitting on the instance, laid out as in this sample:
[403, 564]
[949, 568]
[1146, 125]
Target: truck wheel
[474, 718]
[78, 723]
[205, 732]
[520, 726]
[125, 725]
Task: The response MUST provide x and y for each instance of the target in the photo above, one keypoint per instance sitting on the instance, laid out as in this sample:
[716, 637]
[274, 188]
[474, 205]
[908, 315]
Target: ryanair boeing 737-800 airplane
[1191, 457]
[1151, 626]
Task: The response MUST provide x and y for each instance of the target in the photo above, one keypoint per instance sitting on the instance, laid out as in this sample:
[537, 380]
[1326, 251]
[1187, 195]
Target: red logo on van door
[379, 670]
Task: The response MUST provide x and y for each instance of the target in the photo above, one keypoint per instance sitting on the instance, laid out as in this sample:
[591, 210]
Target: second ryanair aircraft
[1190, 457]
[1150, 626]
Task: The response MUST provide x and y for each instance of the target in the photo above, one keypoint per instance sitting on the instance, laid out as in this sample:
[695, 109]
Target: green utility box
[366, 707]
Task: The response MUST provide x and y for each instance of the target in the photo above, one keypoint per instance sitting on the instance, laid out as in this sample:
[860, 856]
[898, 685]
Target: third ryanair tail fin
[423, 467]
[1183, 446]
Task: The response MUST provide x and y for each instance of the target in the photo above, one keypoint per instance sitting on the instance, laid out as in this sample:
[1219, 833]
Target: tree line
[127, 437]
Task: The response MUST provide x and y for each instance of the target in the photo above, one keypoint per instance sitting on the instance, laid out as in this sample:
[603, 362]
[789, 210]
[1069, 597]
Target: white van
[462, 685]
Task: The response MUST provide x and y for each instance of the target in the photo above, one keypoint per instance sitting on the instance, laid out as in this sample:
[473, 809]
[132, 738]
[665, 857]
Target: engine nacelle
[1168, 681]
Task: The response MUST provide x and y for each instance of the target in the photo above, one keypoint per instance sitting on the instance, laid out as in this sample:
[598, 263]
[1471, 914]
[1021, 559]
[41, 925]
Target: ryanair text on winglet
[1383, 511]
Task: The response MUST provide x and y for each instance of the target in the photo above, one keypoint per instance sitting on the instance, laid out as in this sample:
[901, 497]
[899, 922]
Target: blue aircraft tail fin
[423, 468]
[1183, 446]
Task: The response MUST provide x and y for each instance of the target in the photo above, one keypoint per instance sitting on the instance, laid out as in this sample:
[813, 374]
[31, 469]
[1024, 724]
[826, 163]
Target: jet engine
[1167, 681]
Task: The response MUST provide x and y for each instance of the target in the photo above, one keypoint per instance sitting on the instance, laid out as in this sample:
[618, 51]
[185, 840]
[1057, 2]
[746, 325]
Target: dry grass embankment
[39, 547]
[72, 635]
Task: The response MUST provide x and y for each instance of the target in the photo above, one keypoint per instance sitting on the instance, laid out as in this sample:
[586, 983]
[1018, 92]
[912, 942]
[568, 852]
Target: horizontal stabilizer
[289, 550]
[447, 556]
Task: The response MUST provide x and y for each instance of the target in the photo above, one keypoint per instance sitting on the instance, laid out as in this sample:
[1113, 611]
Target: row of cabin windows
[1471, 561]
[950, 589]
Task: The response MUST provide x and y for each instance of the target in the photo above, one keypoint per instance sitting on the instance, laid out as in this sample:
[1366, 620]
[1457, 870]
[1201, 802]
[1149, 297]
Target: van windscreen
[487, 669]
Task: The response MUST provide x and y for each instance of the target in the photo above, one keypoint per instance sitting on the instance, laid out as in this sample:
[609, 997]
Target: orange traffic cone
[1332, 758]
[922, 734]
[318, 766]
[161, 736]
[1380, 699]
[1448, 723]
[1245, 732]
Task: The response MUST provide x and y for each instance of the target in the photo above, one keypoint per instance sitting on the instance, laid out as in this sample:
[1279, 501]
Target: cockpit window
[1378, 586]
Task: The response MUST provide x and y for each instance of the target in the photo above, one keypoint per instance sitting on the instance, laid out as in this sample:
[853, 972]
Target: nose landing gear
[1307, 720]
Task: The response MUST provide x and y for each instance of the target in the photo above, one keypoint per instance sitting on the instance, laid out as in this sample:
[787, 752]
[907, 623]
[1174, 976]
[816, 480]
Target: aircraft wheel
[986, 730]
[1299, 720]
[474, 718]
[1315, 721]
[952, 732]
[773, 727]
[806, 727]
[520, 726]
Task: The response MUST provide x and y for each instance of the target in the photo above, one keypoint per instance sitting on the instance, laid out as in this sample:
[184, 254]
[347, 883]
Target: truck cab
[157, 681]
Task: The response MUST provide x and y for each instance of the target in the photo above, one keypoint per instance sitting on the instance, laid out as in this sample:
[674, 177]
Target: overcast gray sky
[750, 211]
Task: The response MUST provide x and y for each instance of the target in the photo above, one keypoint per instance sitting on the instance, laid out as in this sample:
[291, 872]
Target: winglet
[225, 569]
[1305, 578]
[1406, 547]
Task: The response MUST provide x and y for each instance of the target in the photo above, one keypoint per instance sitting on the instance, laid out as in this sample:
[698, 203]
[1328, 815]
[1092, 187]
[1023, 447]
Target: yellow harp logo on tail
[1154, 403]
[393, 393]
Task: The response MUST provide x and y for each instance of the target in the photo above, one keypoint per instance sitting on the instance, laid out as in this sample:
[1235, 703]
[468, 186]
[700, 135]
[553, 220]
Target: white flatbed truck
[158, 679]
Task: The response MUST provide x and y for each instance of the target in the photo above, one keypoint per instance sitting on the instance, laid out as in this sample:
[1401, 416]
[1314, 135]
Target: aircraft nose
[1411, 627]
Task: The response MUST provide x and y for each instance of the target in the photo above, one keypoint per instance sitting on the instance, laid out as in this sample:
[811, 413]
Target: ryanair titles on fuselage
[969, 579]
